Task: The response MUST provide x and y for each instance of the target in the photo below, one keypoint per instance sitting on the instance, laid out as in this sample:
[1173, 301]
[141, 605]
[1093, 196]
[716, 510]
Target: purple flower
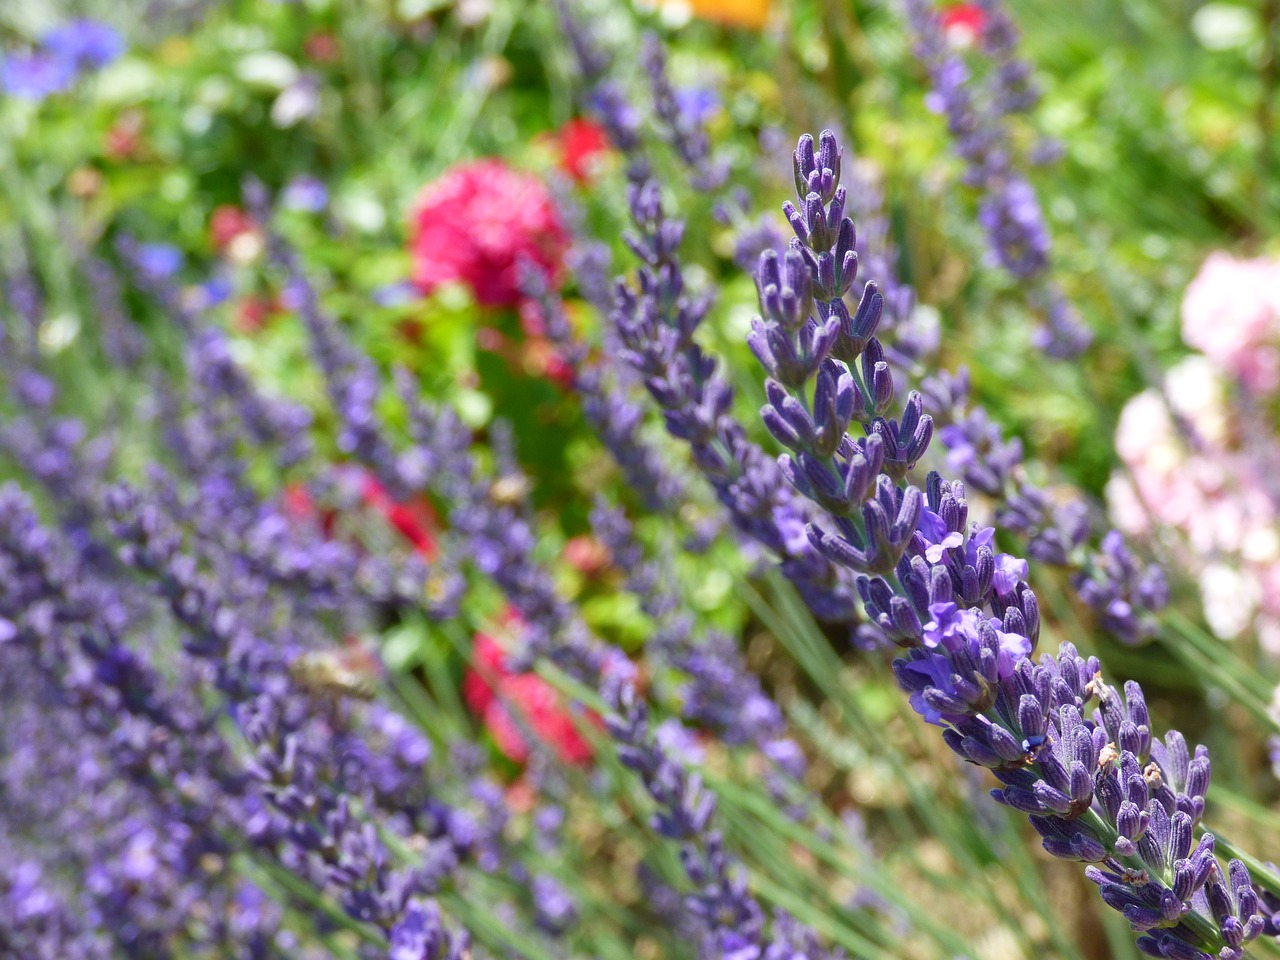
[158, 260]
[731, 945]
[395, 294]
[697, 104]
[679, 743]
[420, 935]
[945, 629]
[85, 44]
[216, 290]
[787, 755]
[34, 76]
[937, 537]
[553, 907]
[1009, 570]
[968, 668]
[306, 194]
[1008, 209]
[935, 669]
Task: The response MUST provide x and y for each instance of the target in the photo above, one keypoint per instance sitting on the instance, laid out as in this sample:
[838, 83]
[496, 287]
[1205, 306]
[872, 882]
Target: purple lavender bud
[786, 295]
[553, 907]
[421, 935]
[817, 173]
[875, 374]
[682, 113]
[855, 330]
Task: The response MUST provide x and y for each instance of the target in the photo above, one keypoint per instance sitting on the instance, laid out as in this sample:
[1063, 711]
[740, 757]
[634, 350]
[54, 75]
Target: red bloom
[298, 502]
[492, 692]
[587, 555]
[414, 519]
[227, 223]
[538, 706]
[299, 505]
[123, 140]
[541, 359]
[963, 23]
[491, 661]
[476, 223]
[582, 145]
[253, 312]
[322, 47]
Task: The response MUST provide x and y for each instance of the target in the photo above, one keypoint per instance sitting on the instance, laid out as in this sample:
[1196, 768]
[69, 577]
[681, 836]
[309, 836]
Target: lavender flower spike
[1008, 208]
[1071, 751]
[656, 322]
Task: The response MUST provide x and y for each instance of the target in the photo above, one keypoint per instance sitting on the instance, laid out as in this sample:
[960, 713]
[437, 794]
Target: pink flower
[1212, 493]
[491, 691]
[963, 23]
[476, 223]
[1231, 313]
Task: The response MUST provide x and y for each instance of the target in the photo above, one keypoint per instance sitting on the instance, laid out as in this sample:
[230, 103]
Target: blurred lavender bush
[478, 478]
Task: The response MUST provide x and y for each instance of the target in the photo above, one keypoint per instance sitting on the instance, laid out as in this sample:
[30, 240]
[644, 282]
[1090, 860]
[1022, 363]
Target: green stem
[308, 894]
[1202, 663]
[1213, 648]
[825, 668]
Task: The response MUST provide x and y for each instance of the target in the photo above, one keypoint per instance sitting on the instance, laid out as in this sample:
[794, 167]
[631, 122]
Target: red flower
[582, 145]
[539, 708]
[298, 502]
[414, 519]
[963, 23]
[491, 666]
[476, 223]
[322, 47]
[253, 312]
[492, 692]
[227, 223]
[123, 140]
[587, 555]
[299, 505]
[540, 358]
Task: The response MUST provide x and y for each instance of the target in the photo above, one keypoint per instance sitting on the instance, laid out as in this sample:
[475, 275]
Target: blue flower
[34, 76]
[937, 669]
[395, 294]
[697, 104]
[159, 260]
[63, 53]
[1009, 570]
[1014, 648]
[85, 44]
[947, 627]
[305, 193]
[936, 535]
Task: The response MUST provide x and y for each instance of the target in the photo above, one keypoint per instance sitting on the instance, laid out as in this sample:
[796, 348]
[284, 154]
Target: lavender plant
[1099, 789]
[1009, 210]
[202, 752]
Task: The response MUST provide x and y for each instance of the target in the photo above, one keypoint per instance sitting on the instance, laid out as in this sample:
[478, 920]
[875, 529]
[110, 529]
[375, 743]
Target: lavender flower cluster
[64, 54]
[977, 121]
[1098, 787]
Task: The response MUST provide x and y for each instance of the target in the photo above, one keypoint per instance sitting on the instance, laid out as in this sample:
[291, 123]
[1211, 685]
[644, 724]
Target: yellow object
[742, 13]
